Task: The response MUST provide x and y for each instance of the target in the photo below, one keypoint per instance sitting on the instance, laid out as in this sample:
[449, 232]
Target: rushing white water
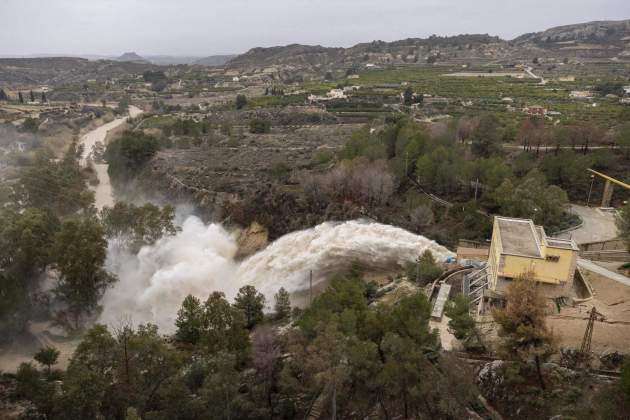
[11, 357]
[200, 260]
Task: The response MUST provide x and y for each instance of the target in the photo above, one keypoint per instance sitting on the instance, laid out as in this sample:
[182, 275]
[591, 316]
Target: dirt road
[598, 225]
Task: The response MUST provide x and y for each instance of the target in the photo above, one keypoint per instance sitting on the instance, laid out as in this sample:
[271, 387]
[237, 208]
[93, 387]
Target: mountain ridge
[613, 38]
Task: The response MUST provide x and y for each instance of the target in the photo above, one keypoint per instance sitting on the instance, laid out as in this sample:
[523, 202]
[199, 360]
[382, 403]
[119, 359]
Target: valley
[423, 228]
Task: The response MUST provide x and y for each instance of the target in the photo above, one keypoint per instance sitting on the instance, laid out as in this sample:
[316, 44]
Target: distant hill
[171, 60]
[55, 71]
[214, 60]
[132, 57]
[412, 50]
[602, 40]
[290, 54]
[599, 31]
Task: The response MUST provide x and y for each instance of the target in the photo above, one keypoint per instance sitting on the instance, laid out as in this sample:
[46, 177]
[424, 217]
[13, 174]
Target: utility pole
[588, 200]
[310, 287]
[476, 187]
[334, 400]
[585, 349]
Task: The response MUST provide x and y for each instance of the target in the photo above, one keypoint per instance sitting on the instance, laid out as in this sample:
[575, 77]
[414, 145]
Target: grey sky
[205, 27]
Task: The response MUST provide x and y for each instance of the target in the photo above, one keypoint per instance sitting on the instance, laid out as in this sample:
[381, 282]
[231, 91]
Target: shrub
[241, 101]
[128, 154]
[258, 126]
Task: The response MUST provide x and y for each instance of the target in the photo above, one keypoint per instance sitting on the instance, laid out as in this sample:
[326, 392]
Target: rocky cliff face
[251, 240]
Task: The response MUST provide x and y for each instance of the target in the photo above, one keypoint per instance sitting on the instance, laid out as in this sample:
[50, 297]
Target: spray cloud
[200, 259]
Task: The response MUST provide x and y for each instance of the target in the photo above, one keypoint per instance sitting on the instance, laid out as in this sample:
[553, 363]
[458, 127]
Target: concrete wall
[494, 257]
[544, 270]
[548, 290]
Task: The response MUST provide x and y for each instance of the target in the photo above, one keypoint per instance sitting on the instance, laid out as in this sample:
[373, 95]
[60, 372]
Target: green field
[486, 92]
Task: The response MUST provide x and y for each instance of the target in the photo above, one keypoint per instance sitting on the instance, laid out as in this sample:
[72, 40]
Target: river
[43, 333]
[103, 192]
[200, 259]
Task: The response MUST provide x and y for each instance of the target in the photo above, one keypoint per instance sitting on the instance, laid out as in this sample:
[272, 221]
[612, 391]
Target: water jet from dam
[200, 259]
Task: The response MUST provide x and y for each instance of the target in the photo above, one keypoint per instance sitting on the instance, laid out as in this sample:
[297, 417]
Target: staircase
[474, 284]
[317, 407]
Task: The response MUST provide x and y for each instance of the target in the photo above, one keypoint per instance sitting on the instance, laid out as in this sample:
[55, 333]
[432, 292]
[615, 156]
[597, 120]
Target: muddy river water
[104, 195]
[42, 333]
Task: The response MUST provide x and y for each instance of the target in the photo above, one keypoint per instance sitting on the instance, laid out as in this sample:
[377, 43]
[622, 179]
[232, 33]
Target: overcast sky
[205, 27]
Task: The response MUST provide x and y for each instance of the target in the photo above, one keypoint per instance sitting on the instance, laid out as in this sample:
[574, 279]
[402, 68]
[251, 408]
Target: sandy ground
[603, 271]
[598, 225]
[612, 299]
[447, 339]
[614, 266]
[41, 334]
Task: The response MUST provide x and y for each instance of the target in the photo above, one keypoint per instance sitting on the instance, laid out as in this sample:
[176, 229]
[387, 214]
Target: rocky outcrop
[251, 240]
[603, 39]
[600, 31]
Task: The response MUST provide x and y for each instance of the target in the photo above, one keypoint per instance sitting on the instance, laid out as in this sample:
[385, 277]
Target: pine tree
[21, 97]
[44, 99]
[283, 304]
[32, 96]
[462, 323]
[251, 303]
[522, 324]
[47, 356]
[408, 96]
[189, 320]
[224, 328]
[241, 101]
[3, 95]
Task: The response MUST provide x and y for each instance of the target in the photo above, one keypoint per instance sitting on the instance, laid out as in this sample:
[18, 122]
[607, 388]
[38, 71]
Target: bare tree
[266, 361]
[363, 181]
[422, 216]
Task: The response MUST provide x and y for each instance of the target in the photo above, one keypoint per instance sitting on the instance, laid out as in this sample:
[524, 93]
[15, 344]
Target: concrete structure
[581, 94]
[440, 301]
[609, 186]
[519, 247]
[535, 110]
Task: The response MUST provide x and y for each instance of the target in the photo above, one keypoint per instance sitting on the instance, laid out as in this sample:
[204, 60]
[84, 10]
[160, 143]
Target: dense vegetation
[343, 357]
[50, 223]
[128, 154]
[437, 155]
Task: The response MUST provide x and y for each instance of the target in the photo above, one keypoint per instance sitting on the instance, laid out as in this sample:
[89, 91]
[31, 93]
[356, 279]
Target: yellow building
[519, 247]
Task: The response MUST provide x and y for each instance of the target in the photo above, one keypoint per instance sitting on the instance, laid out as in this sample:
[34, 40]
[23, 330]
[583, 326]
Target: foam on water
[200, 259]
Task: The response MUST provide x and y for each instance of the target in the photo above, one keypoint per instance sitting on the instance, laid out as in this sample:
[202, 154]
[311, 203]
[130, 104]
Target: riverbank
[103, 192]
[44, 333]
